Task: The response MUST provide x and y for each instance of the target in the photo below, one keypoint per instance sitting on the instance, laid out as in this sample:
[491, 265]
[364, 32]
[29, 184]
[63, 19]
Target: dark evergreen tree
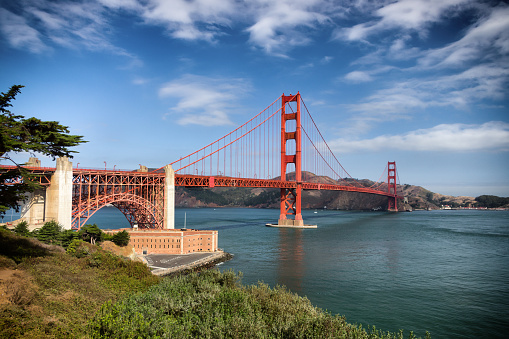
[91, 234]
[49, 233]
[18, 134]
[491, 201]
[67, 236]
[22, 229]
[121, 238]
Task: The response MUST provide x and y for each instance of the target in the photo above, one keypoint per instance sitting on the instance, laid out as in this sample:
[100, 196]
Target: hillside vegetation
[91, 293]
[47, 293]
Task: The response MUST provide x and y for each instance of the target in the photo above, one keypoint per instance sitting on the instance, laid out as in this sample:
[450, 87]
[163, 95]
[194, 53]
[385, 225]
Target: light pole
[105, 165]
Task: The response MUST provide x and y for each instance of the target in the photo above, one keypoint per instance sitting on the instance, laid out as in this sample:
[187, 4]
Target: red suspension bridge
[275, 149]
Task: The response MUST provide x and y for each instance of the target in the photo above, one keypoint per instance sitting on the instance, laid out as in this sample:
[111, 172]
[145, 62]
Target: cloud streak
[490, 136]
[204, 101]
[19, 34]
[39, 26]
[414, 15]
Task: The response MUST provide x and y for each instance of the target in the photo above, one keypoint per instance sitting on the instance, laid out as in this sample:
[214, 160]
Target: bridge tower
[391, 186]
[291, 197]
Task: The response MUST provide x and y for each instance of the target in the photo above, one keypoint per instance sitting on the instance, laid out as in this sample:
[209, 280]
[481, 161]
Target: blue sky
[423, 83]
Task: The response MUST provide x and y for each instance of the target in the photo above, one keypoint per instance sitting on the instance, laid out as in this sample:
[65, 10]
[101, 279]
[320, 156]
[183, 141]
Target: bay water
[446, 272]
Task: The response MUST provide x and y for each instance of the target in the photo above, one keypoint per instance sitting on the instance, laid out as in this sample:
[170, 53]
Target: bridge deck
[44, 173]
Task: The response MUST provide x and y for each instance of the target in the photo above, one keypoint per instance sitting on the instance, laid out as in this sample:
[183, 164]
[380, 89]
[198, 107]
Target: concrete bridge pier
[59, 194]
[33, 211]
[54, 202]
[169, 197]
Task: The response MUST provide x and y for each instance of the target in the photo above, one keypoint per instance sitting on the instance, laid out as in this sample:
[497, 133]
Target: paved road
[164, 261]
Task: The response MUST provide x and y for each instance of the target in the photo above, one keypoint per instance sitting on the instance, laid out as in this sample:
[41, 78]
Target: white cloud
[120, 4]
[486, 39]
[39, 24]
[277, 25]
[204, 101]
[470, 71]
[190, 20]
[414, 15]
[358, 76]
[326, 59]
[19, 34]
[490, 136]
[140, 81]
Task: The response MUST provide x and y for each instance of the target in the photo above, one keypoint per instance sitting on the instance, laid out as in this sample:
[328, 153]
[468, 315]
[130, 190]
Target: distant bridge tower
[291, 197]
[391, 186]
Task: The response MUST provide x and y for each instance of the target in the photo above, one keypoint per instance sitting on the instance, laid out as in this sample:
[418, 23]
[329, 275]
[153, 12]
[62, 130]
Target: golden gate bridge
[275, 149]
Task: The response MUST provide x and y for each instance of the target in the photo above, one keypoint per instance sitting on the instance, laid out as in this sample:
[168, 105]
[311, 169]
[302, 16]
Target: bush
[74, 248]
[22, 229]
[49, 233]
[66, 237]
[121, 238]
[91, 234]
[215, 305]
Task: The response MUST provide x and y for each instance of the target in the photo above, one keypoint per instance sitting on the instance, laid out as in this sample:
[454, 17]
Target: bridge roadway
[222, 181]
[44, 173]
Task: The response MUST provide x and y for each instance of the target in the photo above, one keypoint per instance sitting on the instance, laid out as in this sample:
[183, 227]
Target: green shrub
[49, 233]
[66, 237]
[121, 238]
[76, 249]
[215, 305]
[91, 234]
[22, 229]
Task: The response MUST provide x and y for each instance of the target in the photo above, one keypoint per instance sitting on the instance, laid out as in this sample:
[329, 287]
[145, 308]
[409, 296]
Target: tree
[18, 134]
[121, 238]
[91, 233]
[491, 201]
[22, 229]
[50, 233]
[66, 237]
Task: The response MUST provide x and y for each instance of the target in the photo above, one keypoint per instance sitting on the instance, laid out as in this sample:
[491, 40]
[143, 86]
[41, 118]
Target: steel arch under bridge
[138, 195]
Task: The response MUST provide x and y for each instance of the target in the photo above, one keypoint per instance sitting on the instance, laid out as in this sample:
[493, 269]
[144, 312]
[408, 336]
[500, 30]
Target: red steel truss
[138, 195]
[42, 175]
